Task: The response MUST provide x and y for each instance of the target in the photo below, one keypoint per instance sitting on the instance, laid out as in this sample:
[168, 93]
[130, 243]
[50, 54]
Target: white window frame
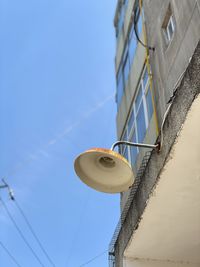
[168, 33]
[169, 25]
[129, 134]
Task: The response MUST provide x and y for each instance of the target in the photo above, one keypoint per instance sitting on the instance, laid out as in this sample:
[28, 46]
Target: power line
[77, 230]
[33, 232]
[12, 197]
[93, 259]
[9, 254]
[21, 234]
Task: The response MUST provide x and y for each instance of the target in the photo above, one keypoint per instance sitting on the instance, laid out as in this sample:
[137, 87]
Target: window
[132, 45]
[138, 98]
[149, 103]
[168, 25]
[145, 77]
[169, 29]
[139, 118]
[127, 57]
[120, 86]
[126, 68]
[125, 153]
[122, 76]
[121, 16]
[125, 3]
[133, 150]
[120, 20]
[123, 148]
[140, 122]
[131, 121]
[139, 25]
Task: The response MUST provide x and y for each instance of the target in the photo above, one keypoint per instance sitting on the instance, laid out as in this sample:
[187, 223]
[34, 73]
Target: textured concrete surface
[169, 61]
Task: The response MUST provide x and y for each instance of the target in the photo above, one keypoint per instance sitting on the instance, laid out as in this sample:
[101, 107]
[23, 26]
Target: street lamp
[106, 170]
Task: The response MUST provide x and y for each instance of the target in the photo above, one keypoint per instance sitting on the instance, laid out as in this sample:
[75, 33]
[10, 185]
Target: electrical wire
[79, 224]
[135, 21]
[12, 197]
[9, 254]
[170, 102]
[33, 232]
[21, 234]
[93, 259]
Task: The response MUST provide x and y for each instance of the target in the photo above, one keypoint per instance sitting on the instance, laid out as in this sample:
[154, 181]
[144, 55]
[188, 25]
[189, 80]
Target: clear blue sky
[57, 90]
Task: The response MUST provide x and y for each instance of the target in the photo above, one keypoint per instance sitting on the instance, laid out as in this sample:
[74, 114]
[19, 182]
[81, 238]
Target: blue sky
[57, 91]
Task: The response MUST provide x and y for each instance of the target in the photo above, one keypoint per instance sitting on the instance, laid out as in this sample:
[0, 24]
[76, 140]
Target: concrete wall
[169, 62]
[155, 263]
[185, 95]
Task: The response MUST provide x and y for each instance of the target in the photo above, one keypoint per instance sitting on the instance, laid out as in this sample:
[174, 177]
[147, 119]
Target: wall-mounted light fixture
[106, 170]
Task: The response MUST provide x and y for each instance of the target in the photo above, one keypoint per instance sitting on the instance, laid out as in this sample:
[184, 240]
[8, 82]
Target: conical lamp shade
[104, 170]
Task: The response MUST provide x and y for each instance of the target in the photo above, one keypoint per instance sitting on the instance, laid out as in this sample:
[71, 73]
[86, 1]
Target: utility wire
[80, 220]
[33, 232]
[12, 197]
[21, 234]
[9, 254]
[93, 259]
[136, 15]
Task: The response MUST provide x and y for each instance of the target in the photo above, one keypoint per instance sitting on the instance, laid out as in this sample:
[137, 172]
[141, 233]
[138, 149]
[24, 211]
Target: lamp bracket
[156, 146]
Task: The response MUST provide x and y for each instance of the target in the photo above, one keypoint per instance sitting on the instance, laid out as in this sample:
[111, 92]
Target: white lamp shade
[104, 170]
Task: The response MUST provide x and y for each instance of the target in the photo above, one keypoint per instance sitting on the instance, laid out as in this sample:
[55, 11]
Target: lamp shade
[104, 170]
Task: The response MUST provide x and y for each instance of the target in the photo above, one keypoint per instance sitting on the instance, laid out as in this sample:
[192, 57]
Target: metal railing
[111, 256]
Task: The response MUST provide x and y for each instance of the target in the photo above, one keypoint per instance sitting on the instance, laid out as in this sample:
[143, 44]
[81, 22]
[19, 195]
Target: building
[158, 84]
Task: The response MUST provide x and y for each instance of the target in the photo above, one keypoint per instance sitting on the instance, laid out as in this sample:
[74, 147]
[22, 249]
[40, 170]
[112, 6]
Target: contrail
[98, 106]
[43, 151]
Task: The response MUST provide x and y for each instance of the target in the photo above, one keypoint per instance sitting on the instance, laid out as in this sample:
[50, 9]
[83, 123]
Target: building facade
[157, 79]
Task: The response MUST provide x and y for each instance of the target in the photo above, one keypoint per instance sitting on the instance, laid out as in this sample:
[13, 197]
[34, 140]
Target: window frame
[127, 57]
[169, 21]
[169, 34]
[129, 131]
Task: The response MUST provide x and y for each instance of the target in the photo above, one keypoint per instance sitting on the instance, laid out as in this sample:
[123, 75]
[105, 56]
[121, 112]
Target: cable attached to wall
[136, 15]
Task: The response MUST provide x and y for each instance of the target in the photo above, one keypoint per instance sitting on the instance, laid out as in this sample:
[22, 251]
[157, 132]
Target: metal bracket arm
[156, 146]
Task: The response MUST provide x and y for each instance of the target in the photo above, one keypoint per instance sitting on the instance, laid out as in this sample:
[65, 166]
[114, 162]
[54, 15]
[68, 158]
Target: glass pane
[121, 19]
[124, 136]
[149, 103]
[120, 149]
[132, 45]
[141, 126]
[166, 35]
[133, 149]
[125, 3]
[131, 121]
[120, 87]
[145, 77]
[126, 69]
[139, 25]
[126, 153]
[170, 29]
[138, 98]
